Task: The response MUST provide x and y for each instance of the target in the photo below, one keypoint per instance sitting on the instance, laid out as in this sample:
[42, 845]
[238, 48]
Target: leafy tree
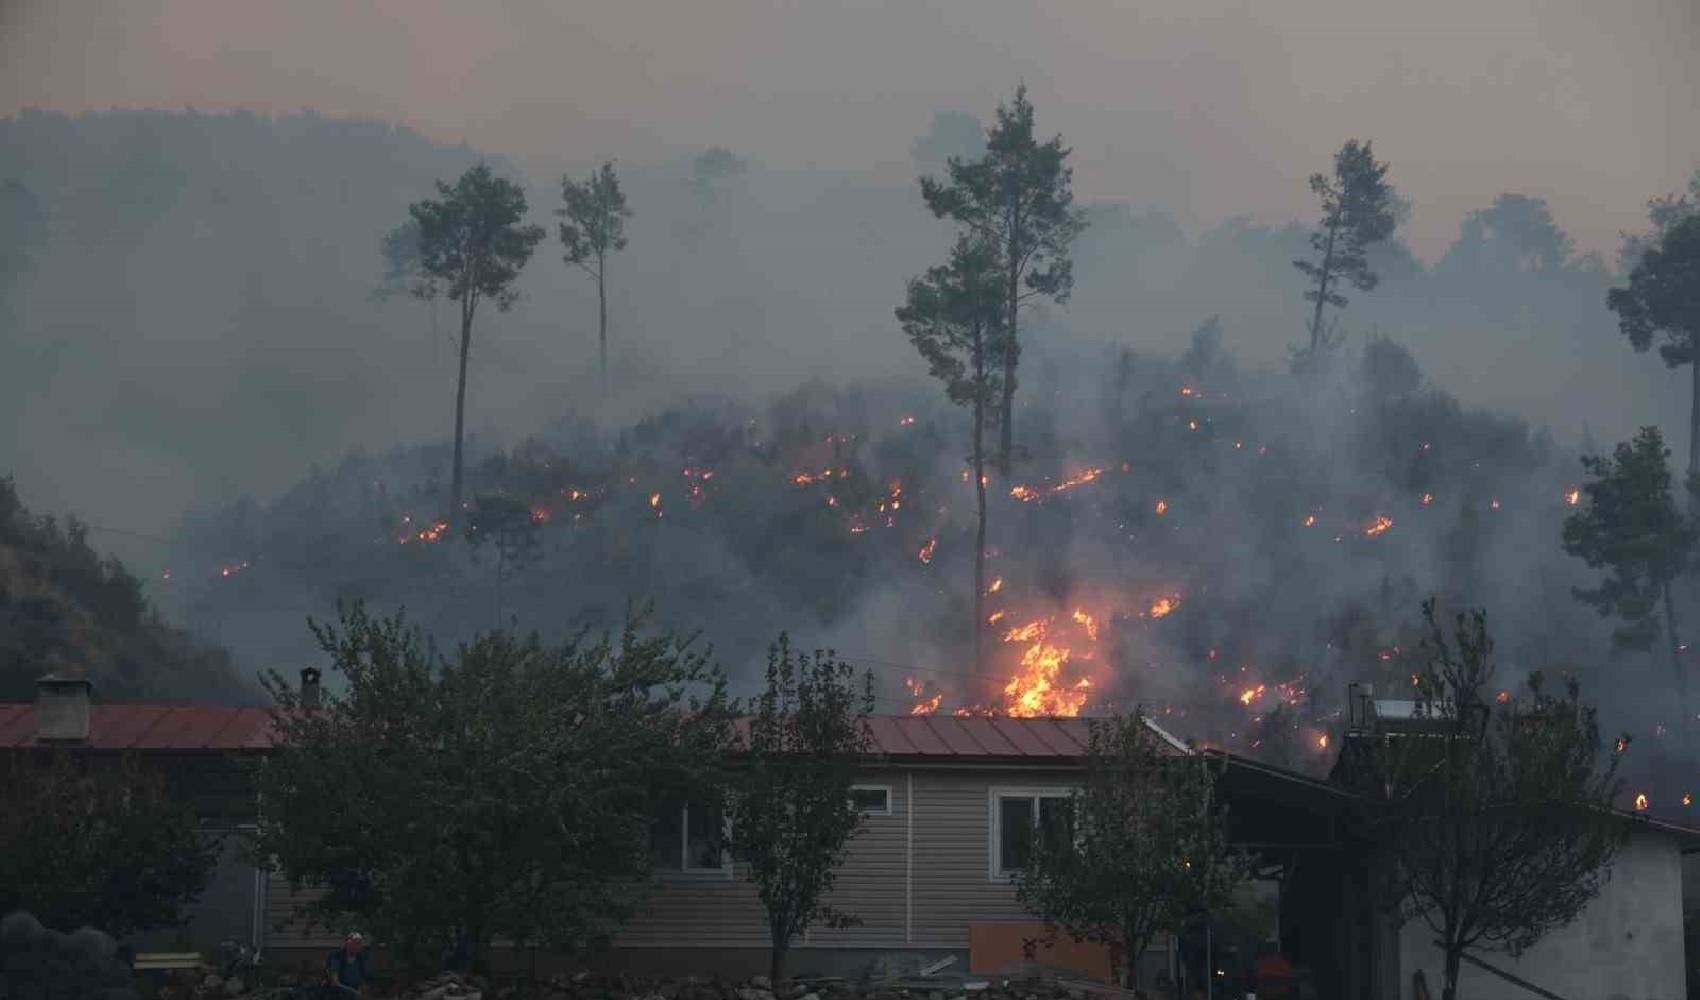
[792, 816]
[594, 226]
[505, 792]
[1515, 234]
[1016, 198]
[511, 528]
[1358, 211]
[1500, 827]
[96, 843]
[1663, 213]
[954, 317]
[1631, 526]
[1142, 850]
[1662, 299]
[472, 245]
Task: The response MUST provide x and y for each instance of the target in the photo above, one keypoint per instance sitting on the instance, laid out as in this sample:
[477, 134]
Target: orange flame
[996, 616]
[1162, 507]
[996, 586]
[1027, 494]
[1088, 621]
[1162, 607]
[1573, 496]
[1322, 742]
[1687, 799]
[1379, 526]
[1038, 686]
[1503, 697]
[924, 705]
[1641, 802]
[1310, 520]
[927, 550]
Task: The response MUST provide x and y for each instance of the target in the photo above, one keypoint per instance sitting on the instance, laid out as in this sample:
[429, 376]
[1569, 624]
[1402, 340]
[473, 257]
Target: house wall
[1628, 943]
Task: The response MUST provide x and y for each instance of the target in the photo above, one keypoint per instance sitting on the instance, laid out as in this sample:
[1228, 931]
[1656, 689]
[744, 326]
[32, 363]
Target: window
[690, 838]
[871, 800]
[1020, 814]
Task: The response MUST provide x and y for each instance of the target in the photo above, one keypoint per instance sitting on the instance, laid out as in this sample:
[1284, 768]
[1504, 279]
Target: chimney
[309, 687]
[62, 708]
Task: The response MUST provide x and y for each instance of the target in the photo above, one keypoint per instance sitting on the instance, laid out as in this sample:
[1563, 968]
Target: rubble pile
[39, 963]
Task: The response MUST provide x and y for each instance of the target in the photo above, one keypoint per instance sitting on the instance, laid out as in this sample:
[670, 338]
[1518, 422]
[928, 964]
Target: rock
[761, 983]
[234, 987]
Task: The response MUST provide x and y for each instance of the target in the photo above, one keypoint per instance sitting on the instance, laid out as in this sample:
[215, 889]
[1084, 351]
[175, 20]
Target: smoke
[197, 323]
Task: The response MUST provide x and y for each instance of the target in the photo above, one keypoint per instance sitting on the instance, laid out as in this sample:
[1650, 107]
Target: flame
[1027, 494]
[906, 422]
[1621, 744]
[1322, 741]
[1192, 425]
[996, 616]
[1187, 390]
[924, 704]
[233, 568]
[1162, 507]
[1428, 498]
[1503, 697]
[927, 550]
[1310, 520]
[1641, 802]
[1251, 694]
[1162, 607]
[1493, 505]
[1379, 526]
[539, 514]
[655, 503]
[1572, 496]
[996, 586]
[1038, 686]
[1687, 799]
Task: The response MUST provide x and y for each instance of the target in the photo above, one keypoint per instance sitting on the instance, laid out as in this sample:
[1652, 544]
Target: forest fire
[1042, 683]
[924, 704]
[1028, 494]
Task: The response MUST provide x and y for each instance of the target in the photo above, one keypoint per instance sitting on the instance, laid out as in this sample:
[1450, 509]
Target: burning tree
[1016, 199]
[1358, 210]
[1662, 299]
[954, 316]
[792, 815]
[1631, 525]
[594, 225]
[504, 792]
[1140, 851]
[1501, 826]
[471, 246]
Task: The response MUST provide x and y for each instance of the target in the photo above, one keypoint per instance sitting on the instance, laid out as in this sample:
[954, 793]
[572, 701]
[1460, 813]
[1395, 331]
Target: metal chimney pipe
[309, 687]
[62, 708]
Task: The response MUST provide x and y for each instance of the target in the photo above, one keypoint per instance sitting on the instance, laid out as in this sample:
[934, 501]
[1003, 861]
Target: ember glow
[1162, 507]
[233, 568]
[995, 586]
[1572, 496]
[927, 550]
[925, 704]
[1162, 607]
[1379, 526]
[1028, 494]
[1310, 520]
[1641, 802]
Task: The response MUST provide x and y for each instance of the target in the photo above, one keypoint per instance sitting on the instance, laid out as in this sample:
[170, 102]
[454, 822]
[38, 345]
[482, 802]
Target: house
[929, 873]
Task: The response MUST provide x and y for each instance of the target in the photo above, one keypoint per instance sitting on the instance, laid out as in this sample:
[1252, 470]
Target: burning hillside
[1225, 554]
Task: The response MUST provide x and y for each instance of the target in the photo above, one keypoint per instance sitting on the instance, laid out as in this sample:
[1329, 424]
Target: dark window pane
[702, 837]
[666, 834]
[1056, 821]
[1015, 826]
[871, 800]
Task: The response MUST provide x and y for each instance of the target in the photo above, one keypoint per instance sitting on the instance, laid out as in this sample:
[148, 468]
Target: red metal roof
[140, 726]
[152, 727]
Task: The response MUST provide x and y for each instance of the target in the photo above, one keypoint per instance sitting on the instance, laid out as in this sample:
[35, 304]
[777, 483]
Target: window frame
[995, 872]
[889, 809]
[683, 873]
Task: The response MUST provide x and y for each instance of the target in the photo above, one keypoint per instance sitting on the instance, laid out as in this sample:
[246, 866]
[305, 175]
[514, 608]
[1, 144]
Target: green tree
[97, 843]
[1662, 214]
[1500, 827]
[1142, 849]
[954, 317]
[1358, 211]
[1018, 199]
[506, 791]
[1631, 526]
[1662, 300]
[471, 244]
[594, 225]
[791, 812]
[1514, 234]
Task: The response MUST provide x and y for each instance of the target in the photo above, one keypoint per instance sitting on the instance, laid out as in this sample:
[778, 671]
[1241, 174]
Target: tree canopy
[1359, 210]
[505, 791]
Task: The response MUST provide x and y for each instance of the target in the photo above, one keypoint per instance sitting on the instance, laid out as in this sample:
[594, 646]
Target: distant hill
[65, 606]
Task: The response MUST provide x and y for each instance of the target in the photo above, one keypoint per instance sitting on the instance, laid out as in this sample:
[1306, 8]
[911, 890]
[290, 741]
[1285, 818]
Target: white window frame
[994, 824]
[722, 872]
[887, 811]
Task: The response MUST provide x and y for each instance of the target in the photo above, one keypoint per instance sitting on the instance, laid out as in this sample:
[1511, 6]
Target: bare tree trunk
[1322, 289]
[1012, 347]
[1450, 990]
[466, 308]
[979, 528]
[602, 319]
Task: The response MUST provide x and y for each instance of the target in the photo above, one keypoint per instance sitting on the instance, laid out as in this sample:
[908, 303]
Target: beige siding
[953, 886]
[870, 882]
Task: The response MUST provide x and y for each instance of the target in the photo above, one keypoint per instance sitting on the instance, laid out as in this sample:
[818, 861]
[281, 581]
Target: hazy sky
[1210, 107]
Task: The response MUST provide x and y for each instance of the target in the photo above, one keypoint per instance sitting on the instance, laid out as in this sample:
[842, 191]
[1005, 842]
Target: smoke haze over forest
[197, 361]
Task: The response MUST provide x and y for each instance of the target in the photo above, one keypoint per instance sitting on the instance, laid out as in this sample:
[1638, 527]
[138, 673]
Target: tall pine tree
[1358, 210]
